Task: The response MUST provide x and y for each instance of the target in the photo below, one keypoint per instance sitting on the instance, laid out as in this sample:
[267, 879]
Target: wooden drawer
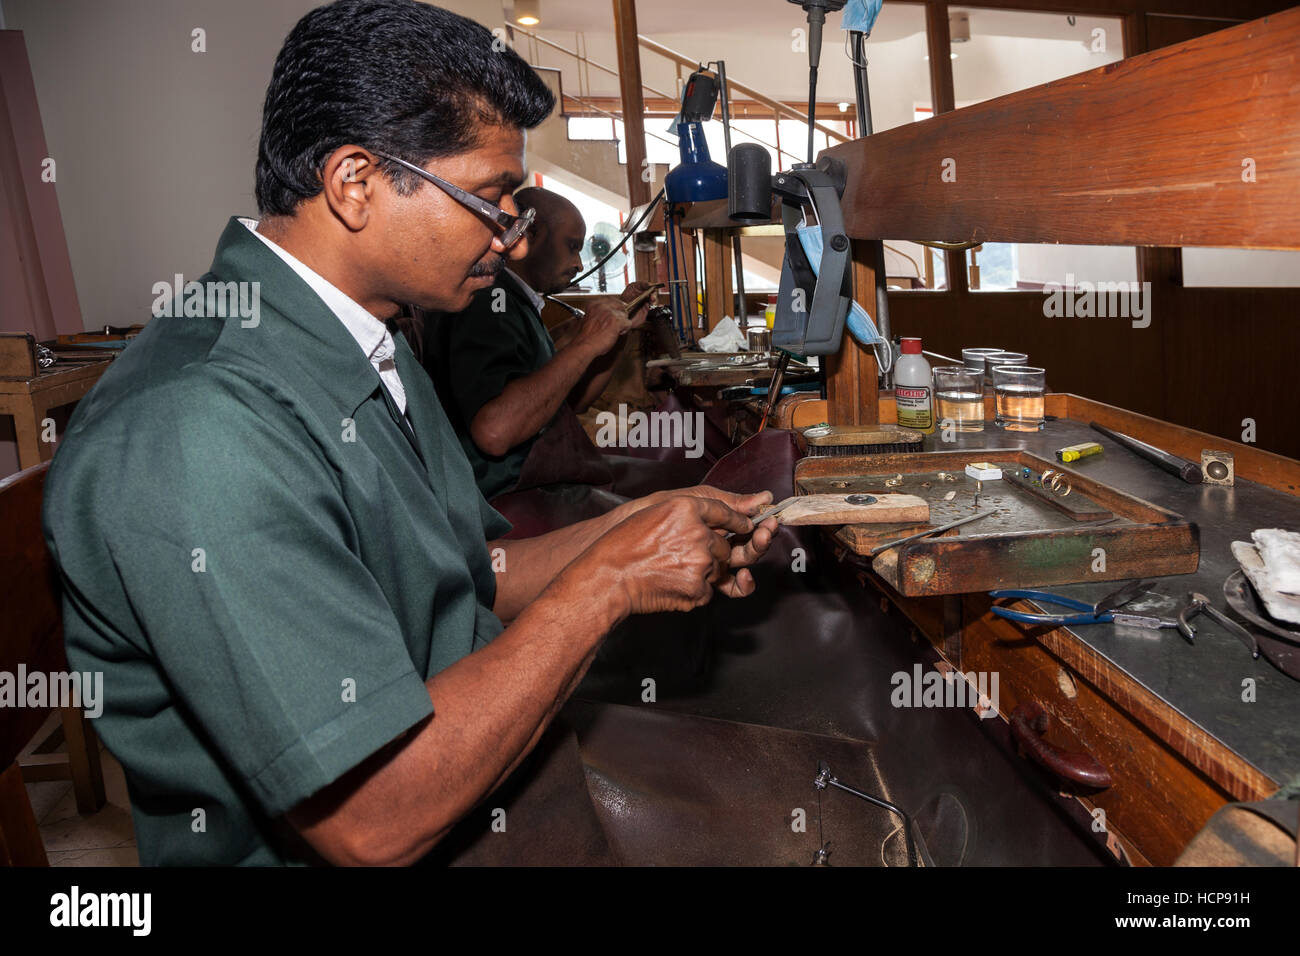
[1168, 776]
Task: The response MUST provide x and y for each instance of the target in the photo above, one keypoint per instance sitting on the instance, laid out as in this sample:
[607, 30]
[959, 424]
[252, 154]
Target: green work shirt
[474, 355]
[261, 560]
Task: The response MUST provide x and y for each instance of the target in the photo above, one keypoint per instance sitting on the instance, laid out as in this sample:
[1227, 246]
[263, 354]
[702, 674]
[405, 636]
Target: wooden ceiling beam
[1195, 144]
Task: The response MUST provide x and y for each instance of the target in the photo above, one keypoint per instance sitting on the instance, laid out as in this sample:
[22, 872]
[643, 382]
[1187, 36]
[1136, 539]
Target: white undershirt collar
[371, 333]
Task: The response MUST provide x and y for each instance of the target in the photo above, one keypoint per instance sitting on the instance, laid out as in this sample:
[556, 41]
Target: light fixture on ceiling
[959, 27]
[528, 12]
[843, 107]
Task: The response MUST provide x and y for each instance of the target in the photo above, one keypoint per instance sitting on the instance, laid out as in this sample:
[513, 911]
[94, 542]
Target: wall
[1211, 359]
[155, 143]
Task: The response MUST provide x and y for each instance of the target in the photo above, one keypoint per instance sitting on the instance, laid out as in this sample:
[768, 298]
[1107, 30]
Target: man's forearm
[528, 403]
[531, 564]
[490, 709]
[594, 380]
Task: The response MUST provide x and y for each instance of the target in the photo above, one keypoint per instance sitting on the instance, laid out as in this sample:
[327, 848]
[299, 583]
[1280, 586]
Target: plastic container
[914, 388]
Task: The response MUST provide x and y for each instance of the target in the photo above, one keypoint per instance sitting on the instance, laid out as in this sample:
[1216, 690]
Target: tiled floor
[105, 838]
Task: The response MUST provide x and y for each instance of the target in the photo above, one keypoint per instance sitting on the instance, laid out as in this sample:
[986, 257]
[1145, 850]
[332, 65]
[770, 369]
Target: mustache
[487, 266]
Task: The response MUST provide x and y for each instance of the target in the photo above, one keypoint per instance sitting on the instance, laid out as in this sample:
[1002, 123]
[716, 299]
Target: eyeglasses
[513, 227]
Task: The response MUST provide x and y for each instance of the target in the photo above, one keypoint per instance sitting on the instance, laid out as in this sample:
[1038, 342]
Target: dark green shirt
[262, 561]
[474, 355]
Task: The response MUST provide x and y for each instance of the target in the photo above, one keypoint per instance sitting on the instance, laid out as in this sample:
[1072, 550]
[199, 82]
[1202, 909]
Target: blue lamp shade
[697, 178]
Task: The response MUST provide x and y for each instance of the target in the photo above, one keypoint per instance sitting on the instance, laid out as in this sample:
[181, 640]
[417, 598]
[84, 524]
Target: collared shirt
[472, 356]
[262, 563]
[371, 333]
[538, 301]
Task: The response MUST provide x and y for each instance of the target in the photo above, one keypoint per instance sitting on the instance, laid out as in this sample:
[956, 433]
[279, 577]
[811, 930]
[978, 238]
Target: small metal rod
[576, 312]
[856, 40]
[742, 314]
[925, 534]
[862, 93]
[939, 355]
[825, 778]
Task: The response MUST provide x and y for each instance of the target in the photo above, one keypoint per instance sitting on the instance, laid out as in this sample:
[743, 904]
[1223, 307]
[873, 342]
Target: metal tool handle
[644, 297]
[1084, 612]
[573, 310]
[1029, 594]
[1147, 621]
[1055, 620]
[774, 390]
[1029, 721]
[1199, 603]
[1179, 467]
[929, 531]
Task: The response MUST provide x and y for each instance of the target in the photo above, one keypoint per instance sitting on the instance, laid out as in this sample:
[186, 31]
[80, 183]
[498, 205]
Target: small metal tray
[1031, 541]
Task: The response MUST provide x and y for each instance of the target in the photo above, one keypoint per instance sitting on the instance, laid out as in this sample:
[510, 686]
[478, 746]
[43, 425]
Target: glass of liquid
[1018, 395]
[1002, 358]
[959, 398]
[974, 358]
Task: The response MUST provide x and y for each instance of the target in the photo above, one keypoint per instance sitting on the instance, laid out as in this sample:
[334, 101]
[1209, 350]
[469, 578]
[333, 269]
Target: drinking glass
[1002, 358]
[959, 398]
[974, 358]
[1018, 396]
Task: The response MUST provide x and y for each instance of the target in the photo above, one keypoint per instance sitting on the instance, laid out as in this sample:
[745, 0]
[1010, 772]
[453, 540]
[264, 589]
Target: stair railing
[778, 110]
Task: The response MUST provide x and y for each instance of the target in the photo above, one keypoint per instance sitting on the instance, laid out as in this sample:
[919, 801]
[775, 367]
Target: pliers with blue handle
[1104, 611]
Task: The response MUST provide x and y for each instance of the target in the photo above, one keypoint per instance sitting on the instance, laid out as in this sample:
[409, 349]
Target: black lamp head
[749, 181]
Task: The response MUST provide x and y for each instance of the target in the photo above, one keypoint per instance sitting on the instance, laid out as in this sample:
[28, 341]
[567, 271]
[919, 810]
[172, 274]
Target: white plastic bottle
[913, 388]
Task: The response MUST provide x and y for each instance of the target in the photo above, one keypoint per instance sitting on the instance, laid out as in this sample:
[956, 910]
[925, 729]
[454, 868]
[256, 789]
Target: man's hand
[743, 555]
[637, 318]
[600, 328]
[745, 504]
[672, 553]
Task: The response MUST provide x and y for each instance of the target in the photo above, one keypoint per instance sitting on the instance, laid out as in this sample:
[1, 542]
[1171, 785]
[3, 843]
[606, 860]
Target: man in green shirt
[269, 539]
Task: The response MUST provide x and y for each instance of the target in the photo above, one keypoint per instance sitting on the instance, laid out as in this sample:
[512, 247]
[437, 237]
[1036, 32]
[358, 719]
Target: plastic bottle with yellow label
[914, 388]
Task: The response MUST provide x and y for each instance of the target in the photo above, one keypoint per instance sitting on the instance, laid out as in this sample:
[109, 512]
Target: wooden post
[944, 100]
[629, 84]
[852, 381]
[717, 277]
[20, 837]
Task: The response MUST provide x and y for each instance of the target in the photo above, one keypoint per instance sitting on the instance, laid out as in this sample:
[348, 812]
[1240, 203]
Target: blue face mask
[860, 15]
[859, 323]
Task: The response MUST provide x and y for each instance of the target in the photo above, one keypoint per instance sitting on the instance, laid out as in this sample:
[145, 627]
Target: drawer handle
[1028, 724]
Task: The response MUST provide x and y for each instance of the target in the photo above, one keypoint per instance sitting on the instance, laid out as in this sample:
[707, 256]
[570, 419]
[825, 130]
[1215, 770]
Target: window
[1240, 268]
[1010, 50]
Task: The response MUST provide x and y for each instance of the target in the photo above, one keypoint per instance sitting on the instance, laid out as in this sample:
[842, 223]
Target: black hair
[402, 77]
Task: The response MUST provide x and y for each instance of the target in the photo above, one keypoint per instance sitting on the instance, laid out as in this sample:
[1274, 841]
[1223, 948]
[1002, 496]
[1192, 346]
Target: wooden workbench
[29, 400]
[1182, 729]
